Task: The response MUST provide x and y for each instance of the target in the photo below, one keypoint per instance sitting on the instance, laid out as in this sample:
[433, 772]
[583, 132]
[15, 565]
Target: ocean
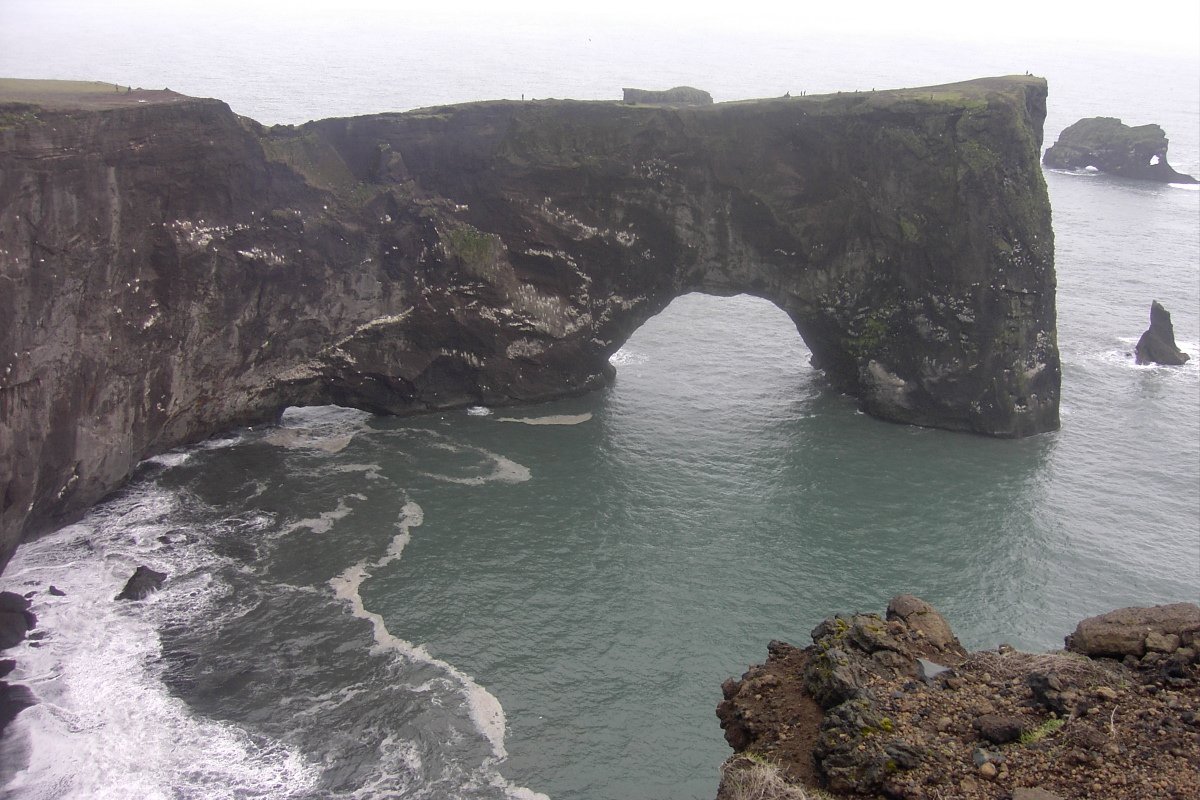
[543, 601]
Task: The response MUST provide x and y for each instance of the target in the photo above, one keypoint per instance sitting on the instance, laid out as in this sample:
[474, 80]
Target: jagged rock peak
[1157, 344]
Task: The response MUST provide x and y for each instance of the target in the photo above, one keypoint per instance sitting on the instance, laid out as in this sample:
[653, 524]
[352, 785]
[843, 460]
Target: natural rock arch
[906, 234]
[170, 269]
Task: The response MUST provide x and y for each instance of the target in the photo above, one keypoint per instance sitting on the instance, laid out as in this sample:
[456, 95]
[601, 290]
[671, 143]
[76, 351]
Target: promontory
[169, 269]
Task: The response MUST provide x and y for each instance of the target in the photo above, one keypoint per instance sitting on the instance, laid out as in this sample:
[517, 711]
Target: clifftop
[80, 95]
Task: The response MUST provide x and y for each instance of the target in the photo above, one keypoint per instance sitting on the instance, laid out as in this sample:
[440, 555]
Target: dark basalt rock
[142, 583]
[16, 619]
[169, 270]
[1108, 145]
[14, 698]
[1157, 344]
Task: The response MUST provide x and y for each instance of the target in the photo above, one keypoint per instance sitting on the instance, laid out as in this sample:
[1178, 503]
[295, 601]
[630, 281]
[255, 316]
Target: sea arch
[905, 233]
[176, 270]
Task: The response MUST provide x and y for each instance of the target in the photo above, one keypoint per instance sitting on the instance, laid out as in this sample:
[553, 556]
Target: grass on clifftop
[22, 86]
[85, 95]
[751, 777]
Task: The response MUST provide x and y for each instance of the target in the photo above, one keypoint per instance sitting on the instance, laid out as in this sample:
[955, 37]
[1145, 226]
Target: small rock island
[1157, 345]
[1108, 145]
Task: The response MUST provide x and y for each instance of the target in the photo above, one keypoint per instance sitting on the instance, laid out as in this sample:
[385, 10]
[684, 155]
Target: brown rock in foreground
[997, 725]
[1128, 631]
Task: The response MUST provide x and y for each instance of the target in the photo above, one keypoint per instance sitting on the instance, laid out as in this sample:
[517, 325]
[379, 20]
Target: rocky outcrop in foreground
[1109, 145]
[894, 707]
[169, 270]
[1157, 344]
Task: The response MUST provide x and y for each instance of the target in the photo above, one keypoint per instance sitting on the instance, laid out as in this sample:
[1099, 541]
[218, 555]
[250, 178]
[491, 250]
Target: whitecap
[106, 725]
[170, 459]
[503, 470]
[626, 356]
[478, 411]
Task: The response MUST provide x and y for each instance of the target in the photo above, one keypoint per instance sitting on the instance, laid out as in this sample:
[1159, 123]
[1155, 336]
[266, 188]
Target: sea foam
[484, 709]
[106, 726]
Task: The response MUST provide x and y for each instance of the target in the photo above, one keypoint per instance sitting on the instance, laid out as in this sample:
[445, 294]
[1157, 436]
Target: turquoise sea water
[545, 600]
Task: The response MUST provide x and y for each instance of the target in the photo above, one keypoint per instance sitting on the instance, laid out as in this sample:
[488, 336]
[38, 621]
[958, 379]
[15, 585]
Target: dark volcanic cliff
[169, 269]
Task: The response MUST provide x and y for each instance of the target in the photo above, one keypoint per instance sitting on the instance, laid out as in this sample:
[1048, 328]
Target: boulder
[924, 619]
[1157, 345]
[833, 676]
[143, 582]
[1123, 632]
[14, 698]
[1108, 145]
[1002, 728]
[15, 619]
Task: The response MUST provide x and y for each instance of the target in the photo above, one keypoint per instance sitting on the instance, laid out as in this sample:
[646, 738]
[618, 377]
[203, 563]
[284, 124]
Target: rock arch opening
[713, 353]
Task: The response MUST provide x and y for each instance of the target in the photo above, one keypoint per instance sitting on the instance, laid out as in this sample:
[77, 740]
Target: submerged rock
[142, 583]
[1157, 345]
[1109, 145]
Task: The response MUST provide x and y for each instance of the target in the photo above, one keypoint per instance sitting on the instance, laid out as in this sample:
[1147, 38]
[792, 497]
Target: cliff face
[170, 269]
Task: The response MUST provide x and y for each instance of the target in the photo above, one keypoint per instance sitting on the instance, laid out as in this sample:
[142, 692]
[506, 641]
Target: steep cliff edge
[168, 269]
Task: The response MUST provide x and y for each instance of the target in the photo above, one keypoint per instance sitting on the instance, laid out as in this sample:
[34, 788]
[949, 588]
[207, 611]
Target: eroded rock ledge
[894, 707]
[169, 269]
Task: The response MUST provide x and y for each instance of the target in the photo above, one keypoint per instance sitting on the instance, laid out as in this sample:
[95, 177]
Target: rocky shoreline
[894, 707]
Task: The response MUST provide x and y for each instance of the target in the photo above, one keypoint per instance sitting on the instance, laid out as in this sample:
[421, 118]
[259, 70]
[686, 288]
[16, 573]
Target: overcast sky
[1161, 26]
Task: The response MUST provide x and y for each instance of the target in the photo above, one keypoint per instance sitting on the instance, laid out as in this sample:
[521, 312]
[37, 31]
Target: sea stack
[1108, 145]
[1157, 345]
